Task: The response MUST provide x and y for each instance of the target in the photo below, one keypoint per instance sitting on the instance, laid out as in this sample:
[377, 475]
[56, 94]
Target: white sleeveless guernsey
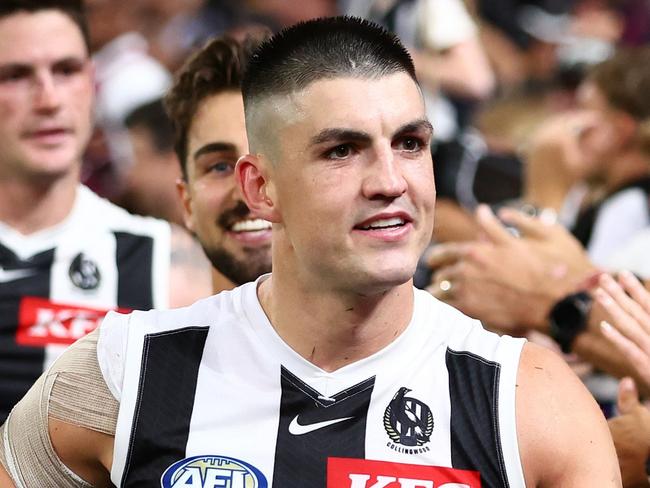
[211, 396]
[57, 284]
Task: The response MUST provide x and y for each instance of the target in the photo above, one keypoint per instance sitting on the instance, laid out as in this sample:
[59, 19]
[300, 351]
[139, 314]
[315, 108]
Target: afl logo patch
[212, 471]
[408, 421]
[84, 272]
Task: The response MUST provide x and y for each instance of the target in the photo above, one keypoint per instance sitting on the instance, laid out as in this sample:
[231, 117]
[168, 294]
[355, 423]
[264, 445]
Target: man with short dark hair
[332, 371]
[66, 256]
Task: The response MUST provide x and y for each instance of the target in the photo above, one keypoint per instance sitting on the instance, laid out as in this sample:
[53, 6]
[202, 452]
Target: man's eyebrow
[339, 135]
[13, 66]
[81, 60]
[214, 147]
[415, 126]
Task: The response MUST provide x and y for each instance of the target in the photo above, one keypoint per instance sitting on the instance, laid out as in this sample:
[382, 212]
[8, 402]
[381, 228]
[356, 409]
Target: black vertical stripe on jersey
[134, 258]
[20, 366]
[301, 460]
[475, 436]
[163, 409]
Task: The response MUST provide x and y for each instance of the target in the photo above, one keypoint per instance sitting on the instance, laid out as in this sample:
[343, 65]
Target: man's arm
[563, 436]
[5, 480]
[60, 435]
[87, 453]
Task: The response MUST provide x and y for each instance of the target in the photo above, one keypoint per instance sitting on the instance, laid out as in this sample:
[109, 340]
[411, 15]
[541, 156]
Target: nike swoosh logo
[298, 429]
[7, 275]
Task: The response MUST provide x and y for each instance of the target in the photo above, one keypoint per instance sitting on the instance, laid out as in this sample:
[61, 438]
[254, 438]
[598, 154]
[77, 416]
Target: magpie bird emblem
[407, 420]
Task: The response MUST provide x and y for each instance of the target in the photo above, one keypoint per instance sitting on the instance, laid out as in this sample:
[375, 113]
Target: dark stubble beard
[240, 271]
[256, 261]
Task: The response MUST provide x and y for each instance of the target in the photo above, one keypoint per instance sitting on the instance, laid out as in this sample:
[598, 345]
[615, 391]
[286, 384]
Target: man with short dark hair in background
[66, 256]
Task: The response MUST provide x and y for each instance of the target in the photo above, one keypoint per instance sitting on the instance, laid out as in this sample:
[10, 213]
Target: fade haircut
[216, 67]
[74, 9]
[319, 49]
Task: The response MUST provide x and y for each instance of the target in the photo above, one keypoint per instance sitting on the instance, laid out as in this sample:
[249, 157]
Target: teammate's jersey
[57, 284]
[211, 396]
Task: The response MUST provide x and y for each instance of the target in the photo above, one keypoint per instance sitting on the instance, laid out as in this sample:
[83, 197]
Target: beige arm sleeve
[73, 390]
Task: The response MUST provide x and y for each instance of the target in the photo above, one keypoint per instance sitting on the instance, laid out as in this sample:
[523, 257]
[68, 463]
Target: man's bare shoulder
[563, 436]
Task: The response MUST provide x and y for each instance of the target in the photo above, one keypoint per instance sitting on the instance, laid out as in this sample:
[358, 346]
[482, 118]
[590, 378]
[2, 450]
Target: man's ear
[186, 201]
[255, 187]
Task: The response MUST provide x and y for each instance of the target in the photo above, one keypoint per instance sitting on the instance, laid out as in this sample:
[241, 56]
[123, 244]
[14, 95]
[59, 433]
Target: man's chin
[240, 269]
[381, 281]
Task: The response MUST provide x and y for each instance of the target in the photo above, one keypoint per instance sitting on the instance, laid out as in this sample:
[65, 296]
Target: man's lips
[385, 220]
[49, 136]
[250, 231]
[387, 227]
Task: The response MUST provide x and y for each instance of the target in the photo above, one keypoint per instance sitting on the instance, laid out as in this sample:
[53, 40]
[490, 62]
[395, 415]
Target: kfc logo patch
[42, 322]
[363, 473]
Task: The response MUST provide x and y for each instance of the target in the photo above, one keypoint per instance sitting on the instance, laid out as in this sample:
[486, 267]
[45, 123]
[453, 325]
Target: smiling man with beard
[206, 106]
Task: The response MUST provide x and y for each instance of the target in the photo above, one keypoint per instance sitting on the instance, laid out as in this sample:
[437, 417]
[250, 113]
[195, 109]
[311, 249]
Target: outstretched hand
[631, 434]
[628, 305]
[506, 281]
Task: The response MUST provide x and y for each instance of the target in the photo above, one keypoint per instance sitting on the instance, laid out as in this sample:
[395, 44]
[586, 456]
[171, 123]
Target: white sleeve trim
[111, 350]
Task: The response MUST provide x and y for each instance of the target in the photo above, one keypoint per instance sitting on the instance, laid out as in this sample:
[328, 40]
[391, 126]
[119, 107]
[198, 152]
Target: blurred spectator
[126, 77]
[284, 13]
[150, 180]
[627, 304]
[605, 143]
[539, 40]
[631, 434]
[636, 29]
[66, 255]
[444, 43]
[174, 28]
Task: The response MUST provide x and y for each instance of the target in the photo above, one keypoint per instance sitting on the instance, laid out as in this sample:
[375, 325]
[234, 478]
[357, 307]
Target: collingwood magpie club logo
[212, 471]
[84, 273]
[408, 423]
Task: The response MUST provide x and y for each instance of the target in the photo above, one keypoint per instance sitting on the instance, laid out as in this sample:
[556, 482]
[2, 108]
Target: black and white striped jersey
[57, 284]
[211, 396]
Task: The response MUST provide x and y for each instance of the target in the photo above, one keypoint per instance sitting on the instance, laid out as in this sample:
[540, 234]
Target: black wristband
[568, 318]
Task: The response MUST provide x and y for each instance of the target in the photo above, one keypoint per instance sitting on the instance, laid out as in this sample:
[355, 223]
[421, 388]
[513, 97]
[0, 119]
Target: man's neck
[30, 205]
[627, 168]
[220, 282]
[331, 329]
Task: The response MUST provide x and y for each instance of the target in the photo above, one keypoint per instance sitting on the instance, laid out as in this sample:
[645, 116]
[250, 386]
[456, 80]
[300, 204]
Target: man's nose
[385, 178]
[47, 96]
